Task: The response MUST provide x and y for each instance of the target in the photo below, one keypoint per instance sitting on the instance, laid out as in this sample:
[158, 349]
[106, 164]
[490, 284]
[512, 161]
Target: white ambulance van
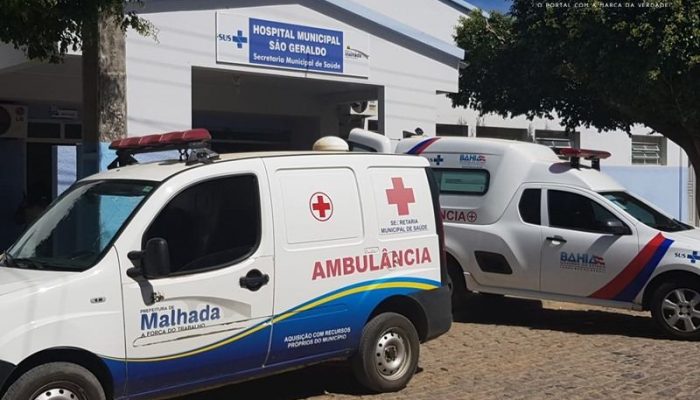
[157, 279]
[523, 221]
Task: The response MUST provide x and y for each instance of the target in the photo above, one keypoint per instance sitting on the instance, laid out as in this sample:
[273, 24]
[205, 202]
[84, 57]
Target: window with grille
[649, 150]
[556, 139]
[554, 143]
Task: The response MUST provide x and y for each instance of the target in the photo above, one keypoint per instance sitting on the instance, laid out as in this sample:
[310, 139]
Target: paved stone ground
[518, 349]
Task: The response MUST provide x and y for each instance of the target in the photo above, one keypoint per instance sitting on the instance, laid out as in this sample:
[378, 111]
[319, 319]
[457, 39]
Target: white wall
[159, 85]
[10, 57]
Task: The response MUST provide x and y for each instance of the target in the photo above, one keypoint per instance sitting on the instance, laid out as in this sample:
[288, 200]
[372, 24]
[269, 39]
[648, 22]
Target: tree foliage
[600, 64]
[48, 29]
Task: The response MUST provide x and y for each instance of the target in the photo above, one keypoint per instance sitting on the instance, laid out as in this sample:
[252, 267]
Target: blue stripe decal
[344, 307]
[632, 290]
[420, 147]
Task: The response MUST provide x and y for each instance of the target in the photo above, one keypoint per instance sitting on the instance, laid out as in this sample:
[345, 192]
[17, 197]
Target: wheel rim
[680, 310]
[392, 355]
[59, 391]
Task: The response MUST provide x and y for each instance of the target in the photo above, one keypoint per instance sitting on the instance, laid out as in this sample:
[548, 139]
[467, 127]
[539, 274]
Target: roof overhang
[399, 27]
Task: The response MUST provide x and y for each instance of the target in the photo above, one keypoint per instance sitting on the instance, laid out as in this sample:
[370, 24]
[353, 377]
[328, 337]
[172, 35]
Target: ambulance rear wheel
[388, 354]
[56, 381]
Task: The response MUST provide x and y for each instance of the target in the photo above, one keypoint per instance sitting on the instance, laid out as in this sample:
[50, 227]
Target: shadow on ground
[333, 377]
[336, 377]
[494, 310]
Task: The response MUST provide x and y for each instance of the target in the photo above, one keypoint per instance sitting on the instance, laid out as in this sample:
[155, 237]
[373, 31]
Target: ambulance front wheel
[56, 381]
[388, 354]
[675, 307]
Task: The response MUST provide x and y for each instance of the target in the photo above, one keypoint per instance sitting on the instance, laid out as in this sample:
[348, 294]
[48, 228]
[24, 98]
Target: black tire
[458, 286]
[54, 377]
[394, 333]
[663, 315]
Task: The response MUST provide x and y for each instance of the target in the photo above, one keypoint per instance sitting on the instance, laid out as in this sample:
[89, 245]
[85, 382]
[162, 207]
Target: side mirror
[616, 227]
[153, 262]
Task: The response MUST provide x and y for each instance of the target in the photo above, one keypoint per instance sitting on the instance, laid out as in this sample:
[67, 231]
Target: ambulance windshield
[75, 231]
[645, 213]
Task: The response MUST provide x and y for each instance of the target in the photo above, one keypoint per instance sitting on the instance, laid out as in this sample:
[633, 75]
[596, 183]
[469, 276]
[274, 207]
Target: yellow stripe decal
[388, 285]
[288, 314]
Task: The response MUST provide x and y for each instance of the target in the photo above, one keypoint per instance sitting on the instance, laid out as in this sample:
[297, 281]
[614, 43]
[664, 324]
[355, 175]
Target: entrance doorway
[254, 112]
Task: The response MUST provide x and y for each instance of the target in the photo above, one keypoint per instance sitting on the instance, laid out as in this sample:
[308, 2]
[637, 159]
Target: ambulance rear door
[319, 231]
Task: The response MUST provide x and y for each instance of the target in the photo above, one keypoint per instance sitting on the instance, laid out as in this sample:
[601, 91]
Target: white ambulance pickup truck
[170, 277]
[521, 221]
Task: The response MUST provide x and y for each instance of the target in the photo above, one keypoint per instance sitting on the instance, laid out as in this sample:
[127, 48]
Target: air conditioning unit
[366, 108]
[13, 121]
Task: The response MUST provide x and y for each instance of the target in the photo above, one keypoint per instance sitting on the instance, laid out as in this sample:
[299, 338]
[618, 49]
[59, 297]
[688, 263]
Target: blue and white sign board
[255, 41]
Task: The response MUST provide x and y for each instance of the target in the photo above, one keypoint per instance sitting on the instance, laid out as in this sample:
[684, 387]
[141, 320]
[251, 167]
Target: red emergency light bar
[191, 144]
[586, 154]
[162, 140]
[575, 155]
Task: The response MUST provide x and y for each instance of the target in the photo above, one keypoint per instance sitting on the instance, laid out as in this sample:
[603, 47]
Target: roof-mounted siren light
[575, 156]
[330, 143]
[193, 146]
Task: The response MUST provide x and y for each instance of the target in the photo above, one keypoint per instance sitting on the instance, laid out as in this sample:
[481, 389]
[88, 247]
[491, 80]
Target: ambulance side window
[529, 206]
[211, 224]
[572, 211]
[474, 182]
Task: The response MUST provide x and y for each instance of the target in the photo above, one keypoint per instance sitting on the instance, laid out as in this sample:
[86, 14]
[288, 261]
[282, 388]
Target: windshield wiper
[13, 262]
[9, 260]
[674, 227]
[683, 225]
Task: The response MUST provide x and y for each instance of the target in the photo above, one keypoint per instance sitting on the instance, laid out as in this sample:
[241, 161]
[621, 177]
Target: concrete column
[104, 92]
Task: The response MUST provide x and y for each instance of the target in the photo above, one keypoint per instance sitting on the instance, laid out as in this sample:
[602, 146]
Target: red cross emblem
[321, 206]
[400, 196]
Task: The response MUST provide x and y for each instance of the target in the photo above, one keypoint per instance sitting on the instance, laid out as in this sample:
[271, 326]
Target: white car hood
[685, 236]
[15, 279]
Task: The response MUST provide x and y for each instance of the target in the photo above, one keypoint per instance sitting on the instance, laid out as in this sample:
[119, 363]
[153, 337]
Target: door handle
[254, 280]
[556, 239]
